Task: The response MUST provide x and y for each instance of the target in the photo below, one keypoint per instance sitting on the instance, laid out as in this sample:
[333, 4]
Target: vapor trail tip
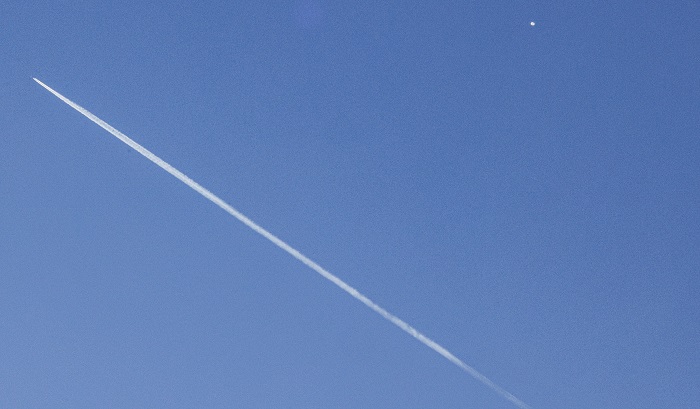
[50, 89]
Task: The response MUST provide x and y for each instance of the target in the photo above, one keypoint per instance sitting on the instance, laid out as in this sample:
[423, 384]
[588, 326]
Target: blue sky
[527, 196]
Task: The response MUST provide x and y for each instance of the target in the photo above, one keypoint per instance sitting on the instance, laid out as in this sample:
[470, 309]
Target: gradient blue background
[528, 197]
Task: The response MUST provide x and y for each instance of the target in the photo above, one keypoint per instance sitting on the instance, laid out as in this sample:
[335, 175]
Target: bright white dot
[532, 23]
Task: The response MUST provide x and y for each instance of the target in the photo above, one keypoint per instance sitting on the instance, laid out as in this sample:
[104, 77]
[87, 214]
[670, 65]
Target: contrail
[292, 251]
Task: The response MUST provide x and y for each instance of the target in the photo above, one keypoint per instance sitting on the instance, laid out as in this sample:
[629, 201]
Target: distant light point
[532, 23]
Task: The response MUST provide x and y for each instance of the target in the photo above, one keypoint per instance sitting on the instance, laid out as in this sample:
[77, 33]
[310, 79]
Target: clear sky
[527, 196]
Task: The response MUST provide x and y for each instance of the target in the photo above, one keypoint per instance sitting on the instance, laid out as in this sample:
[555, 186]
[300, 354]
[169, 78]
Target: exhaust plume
[292, 251]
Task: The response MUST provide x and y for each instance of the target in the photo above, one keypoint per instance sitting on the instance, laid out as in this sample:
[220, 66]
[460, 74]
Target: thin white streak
[289, 249]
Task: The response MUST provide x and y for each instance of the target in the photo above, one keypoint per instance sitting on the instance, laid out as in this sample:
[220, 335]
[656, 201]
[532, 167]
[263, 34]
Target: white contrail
[289, 249]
